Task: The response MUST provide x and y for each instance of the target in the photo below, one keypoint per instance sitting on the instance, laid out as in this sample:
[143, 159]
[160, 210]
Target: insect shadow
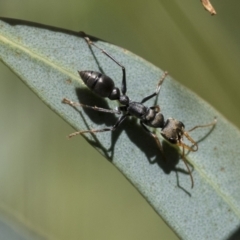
[134, 131]
[102, 85]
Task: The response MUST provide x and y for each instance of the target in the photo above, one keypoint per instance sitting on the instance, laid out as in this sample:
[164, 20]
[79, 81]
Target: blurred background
[65, 189]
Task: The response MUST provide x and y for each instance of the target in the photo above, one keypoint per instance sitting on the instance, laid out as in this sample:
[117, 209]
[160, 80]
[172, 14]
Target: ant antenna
[194, 147]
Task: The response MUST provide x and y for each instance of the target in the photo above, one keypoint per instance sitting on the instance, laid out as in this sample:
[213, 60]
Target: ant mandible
[172, 130]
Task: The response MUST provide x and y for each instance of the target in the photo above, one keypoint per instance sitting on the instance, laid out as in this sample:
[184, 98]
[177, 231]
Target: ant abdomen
[101, 84]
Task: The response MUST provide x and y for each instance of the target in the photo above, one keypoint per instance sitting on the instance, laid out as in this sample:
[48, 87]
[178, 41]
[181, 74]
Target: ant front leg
[124, 83]
[194, 147]
[157, 89]
[186, 164]
[213, 123]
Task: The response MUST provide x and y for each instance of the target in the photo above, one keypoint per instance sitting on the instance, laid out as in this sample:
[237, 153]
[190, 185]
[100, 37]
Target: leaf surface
[48, 59]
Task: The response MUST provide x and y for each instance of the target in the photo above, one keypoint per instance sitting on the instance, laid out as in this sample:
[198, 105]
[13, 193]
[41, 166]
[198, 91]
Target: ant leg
[124, 84]
[119, 121]
[156, 139]
[206, 125]
[194, 147]
[185, 162]
[75, 104]
[157, 89]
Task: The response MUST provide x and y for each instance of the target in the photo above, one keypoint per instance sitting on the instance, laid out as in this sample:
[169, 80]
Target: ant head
[173, 131]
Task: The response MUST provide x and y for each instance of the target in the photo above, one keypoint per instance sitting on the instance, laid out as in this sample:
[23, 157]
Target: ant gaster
[171, 129]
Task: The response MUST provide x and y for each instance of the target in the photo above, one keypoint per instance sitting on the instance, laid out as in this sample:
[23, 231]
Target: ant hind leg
[124, 83]
[75, 104]
[119, 121]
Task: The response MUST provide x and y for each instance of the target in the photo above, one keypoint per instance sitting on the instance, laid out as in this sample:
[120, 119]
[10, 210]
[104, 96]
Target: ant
[172, 130]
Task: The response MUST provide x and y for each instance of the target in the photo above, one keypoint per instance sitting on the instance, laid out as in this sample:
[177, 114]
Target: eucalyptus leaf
[47, 60]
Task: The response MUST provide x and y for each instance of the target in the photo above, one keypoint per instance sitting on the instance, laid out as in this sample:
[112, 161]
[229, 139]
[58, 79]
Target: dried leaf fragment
[208, 6]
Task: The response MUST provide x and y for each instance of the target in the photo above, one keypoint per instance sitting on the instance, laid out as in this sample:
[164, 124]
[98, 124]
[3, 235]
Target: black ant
[171, 129]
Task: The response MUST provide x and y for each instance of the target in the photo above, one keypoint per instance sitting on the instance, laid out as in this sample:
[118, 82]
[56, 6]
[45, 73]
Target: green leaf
[47, 60]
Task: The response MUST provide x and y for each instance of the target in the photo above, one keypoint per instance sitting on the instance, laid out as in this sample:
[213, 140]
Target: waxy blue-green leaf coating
[48, 61]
